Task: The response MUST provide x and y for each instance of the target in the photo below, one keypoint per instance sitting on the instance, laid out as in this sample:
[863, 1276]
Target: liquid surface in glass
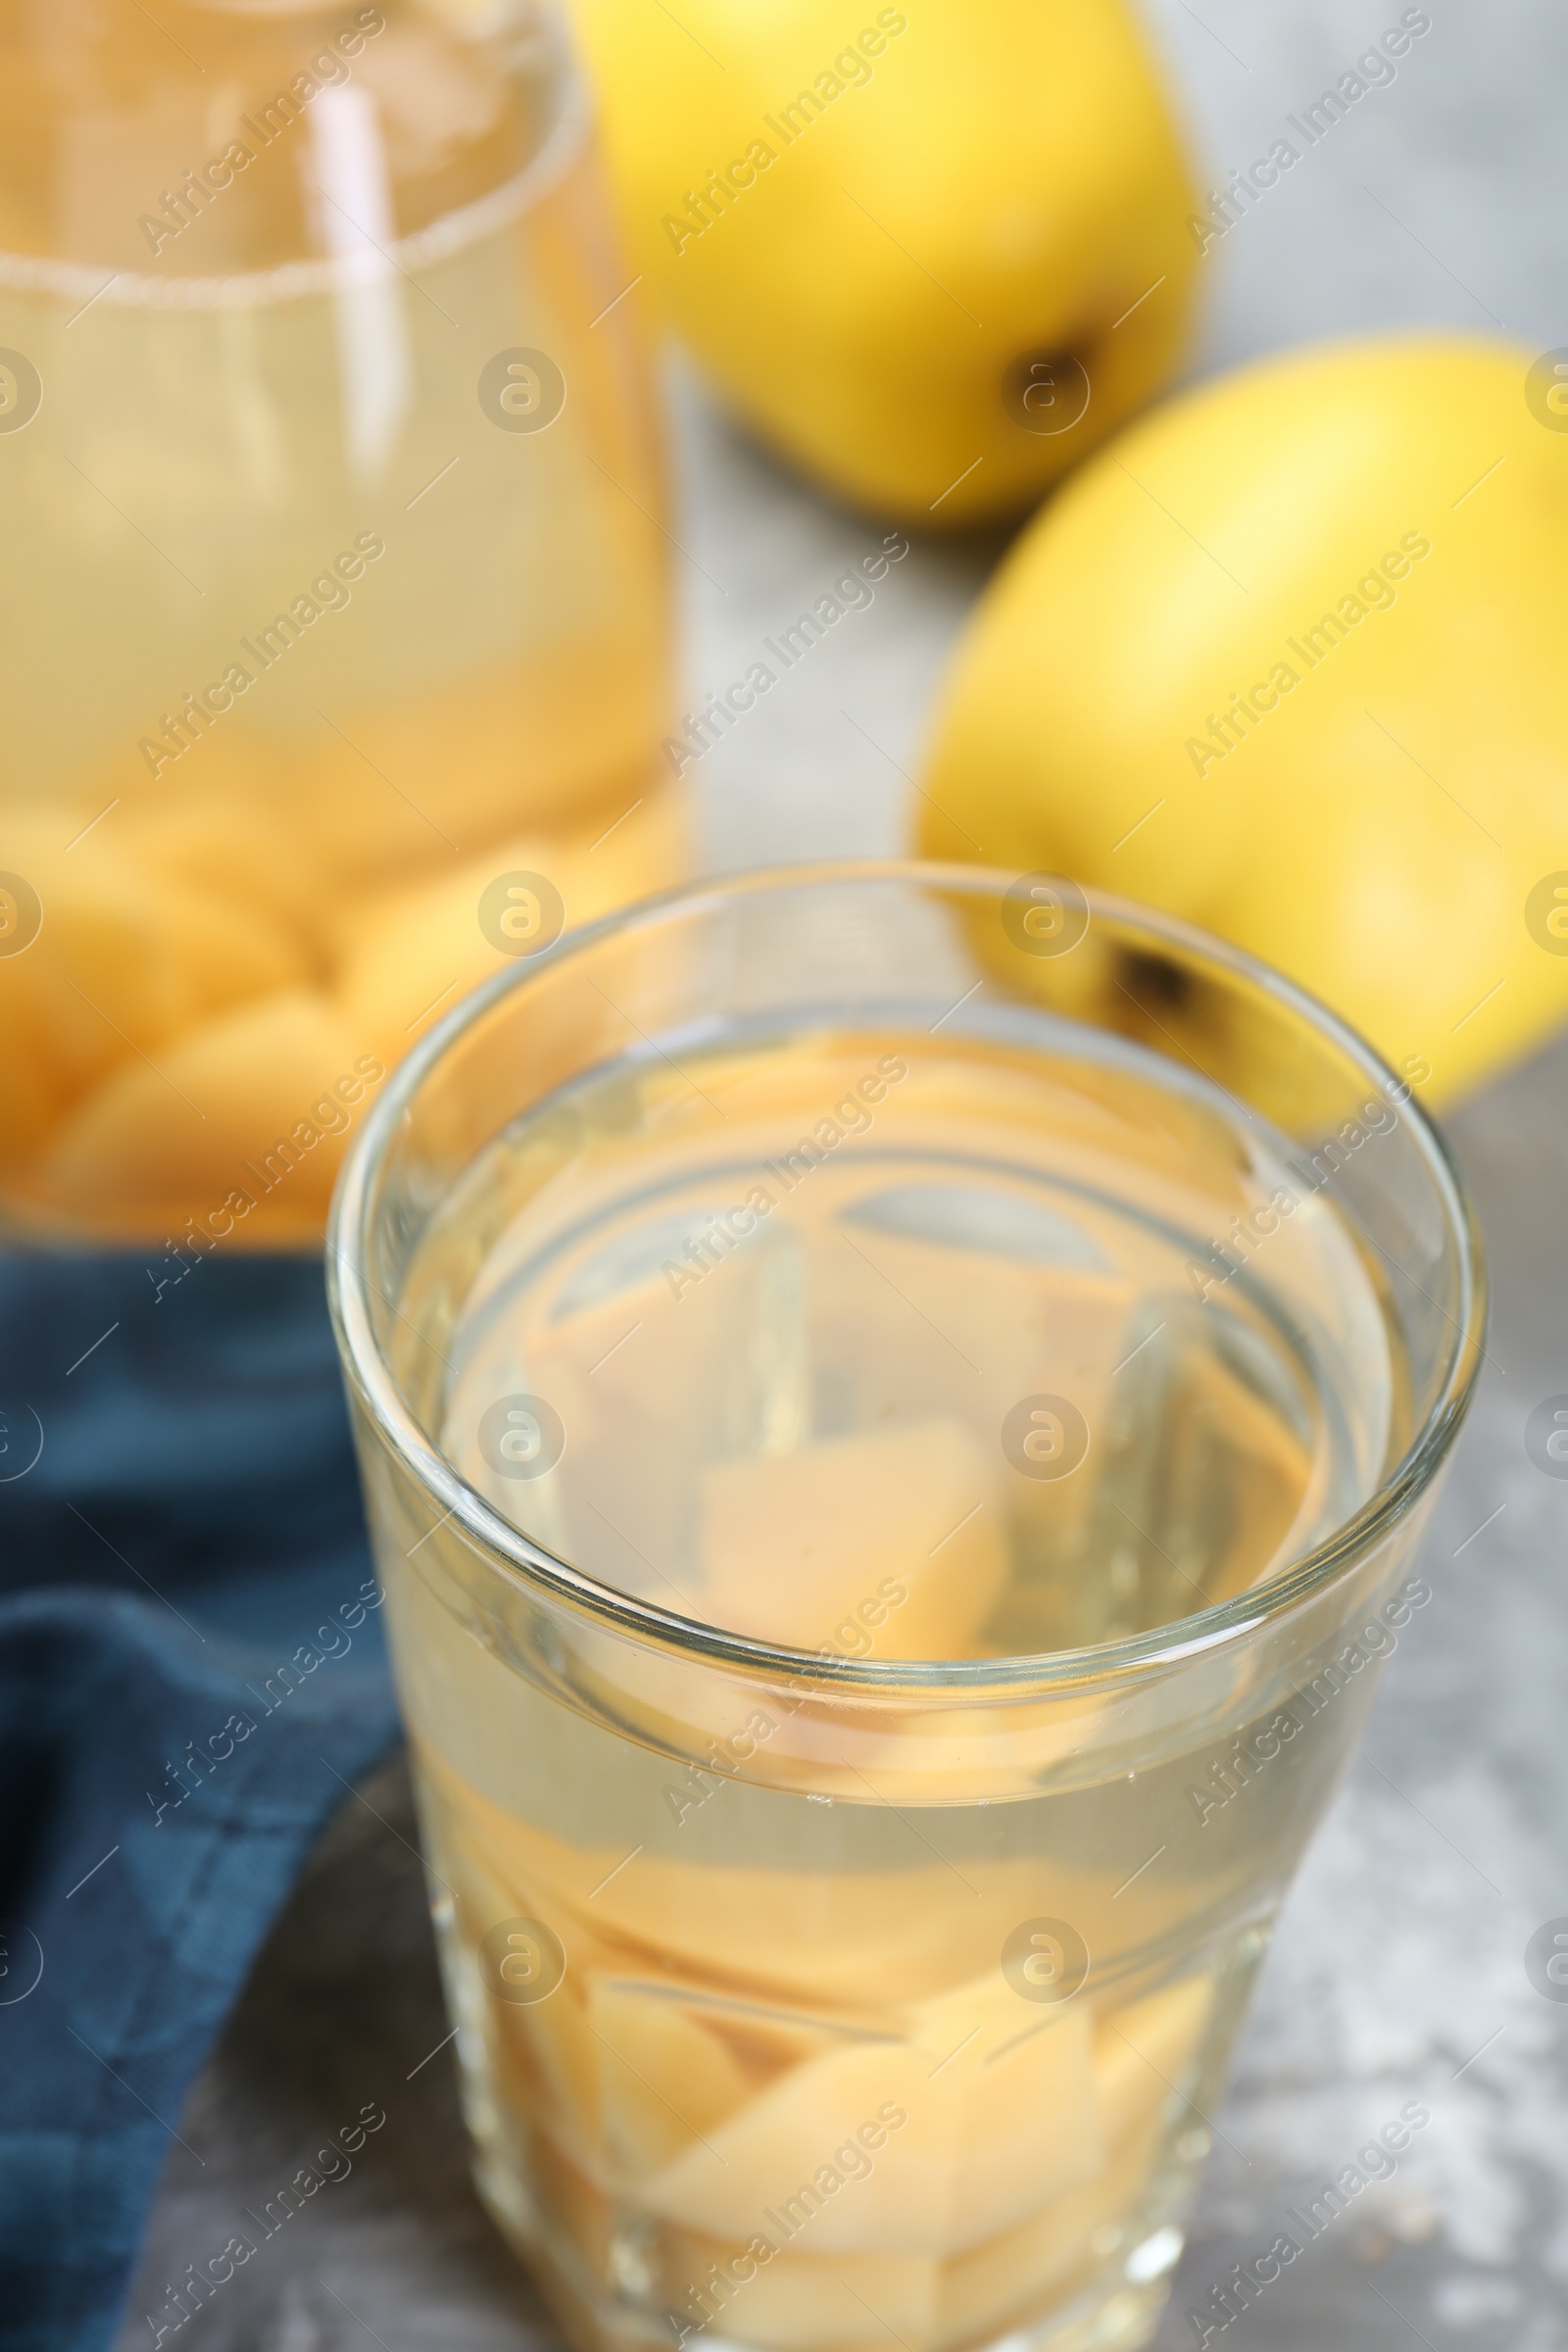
[918, 1350]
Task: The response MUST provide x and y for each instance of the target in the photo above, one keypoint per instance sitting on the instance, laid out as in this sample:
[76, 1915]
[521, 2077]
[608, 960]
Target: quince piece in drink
[793, 2300]
[1145, 2052]
[1287, 663]
[408, 954]
[695, 2054]
[886, 2146]
[543, 2050]
[243, 1108]
[996, 1751]
[667, 2079]
[126, 957]
[28, 1087]
[1039, 1328]
[890, 1533]
[1041, 2258]
[791, 1937]
[931, 256]
[228, 837]
[566, 735]
[413, 951]
[547, 2056]
[573, 2229]
[863, 1941]
[1226, 1440]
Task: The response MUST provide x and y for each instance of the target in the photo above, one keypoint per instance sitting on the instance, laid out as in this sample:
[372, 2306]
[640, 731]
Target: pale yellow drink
[877, 1346]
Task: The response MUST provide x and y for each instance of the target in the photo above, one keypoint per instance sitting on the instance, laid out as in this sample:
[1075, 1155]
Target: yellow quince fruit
[930, 255]
[1287, 659]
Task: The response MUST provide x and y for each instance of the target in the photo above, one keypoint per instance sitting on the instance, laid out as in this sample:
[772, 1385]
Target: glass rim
[984, 1680]
[45, 273]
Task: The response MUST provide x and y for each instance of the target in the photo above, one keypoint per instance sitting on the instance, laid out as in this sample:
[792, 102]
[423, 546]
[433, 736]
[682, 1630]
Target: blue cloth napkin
[192, 1670]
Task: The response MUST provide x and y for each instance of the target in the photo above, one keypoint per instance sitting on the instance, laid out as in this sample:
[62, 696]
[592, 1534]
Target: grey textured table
[1397, 1971]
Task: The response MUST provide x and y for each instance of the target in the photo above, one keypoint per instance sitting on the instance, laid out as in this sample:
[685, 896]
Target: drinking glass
[333, 623]
[896, 1405]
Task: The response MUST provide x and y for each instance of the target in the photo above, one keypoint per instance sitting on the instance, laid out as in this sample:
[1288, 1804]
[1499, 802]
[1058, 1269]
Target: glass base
[1112, 2312]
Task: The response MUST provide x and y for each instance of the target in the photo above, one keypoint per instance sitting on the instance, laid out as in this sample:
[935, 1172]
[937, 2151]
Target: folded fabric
[192, 1673]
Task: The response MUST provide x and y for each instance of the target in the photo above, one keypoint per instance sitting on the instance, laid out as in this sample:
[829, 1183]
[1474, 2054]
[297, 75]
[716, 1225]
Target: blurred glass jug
[334, 634]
